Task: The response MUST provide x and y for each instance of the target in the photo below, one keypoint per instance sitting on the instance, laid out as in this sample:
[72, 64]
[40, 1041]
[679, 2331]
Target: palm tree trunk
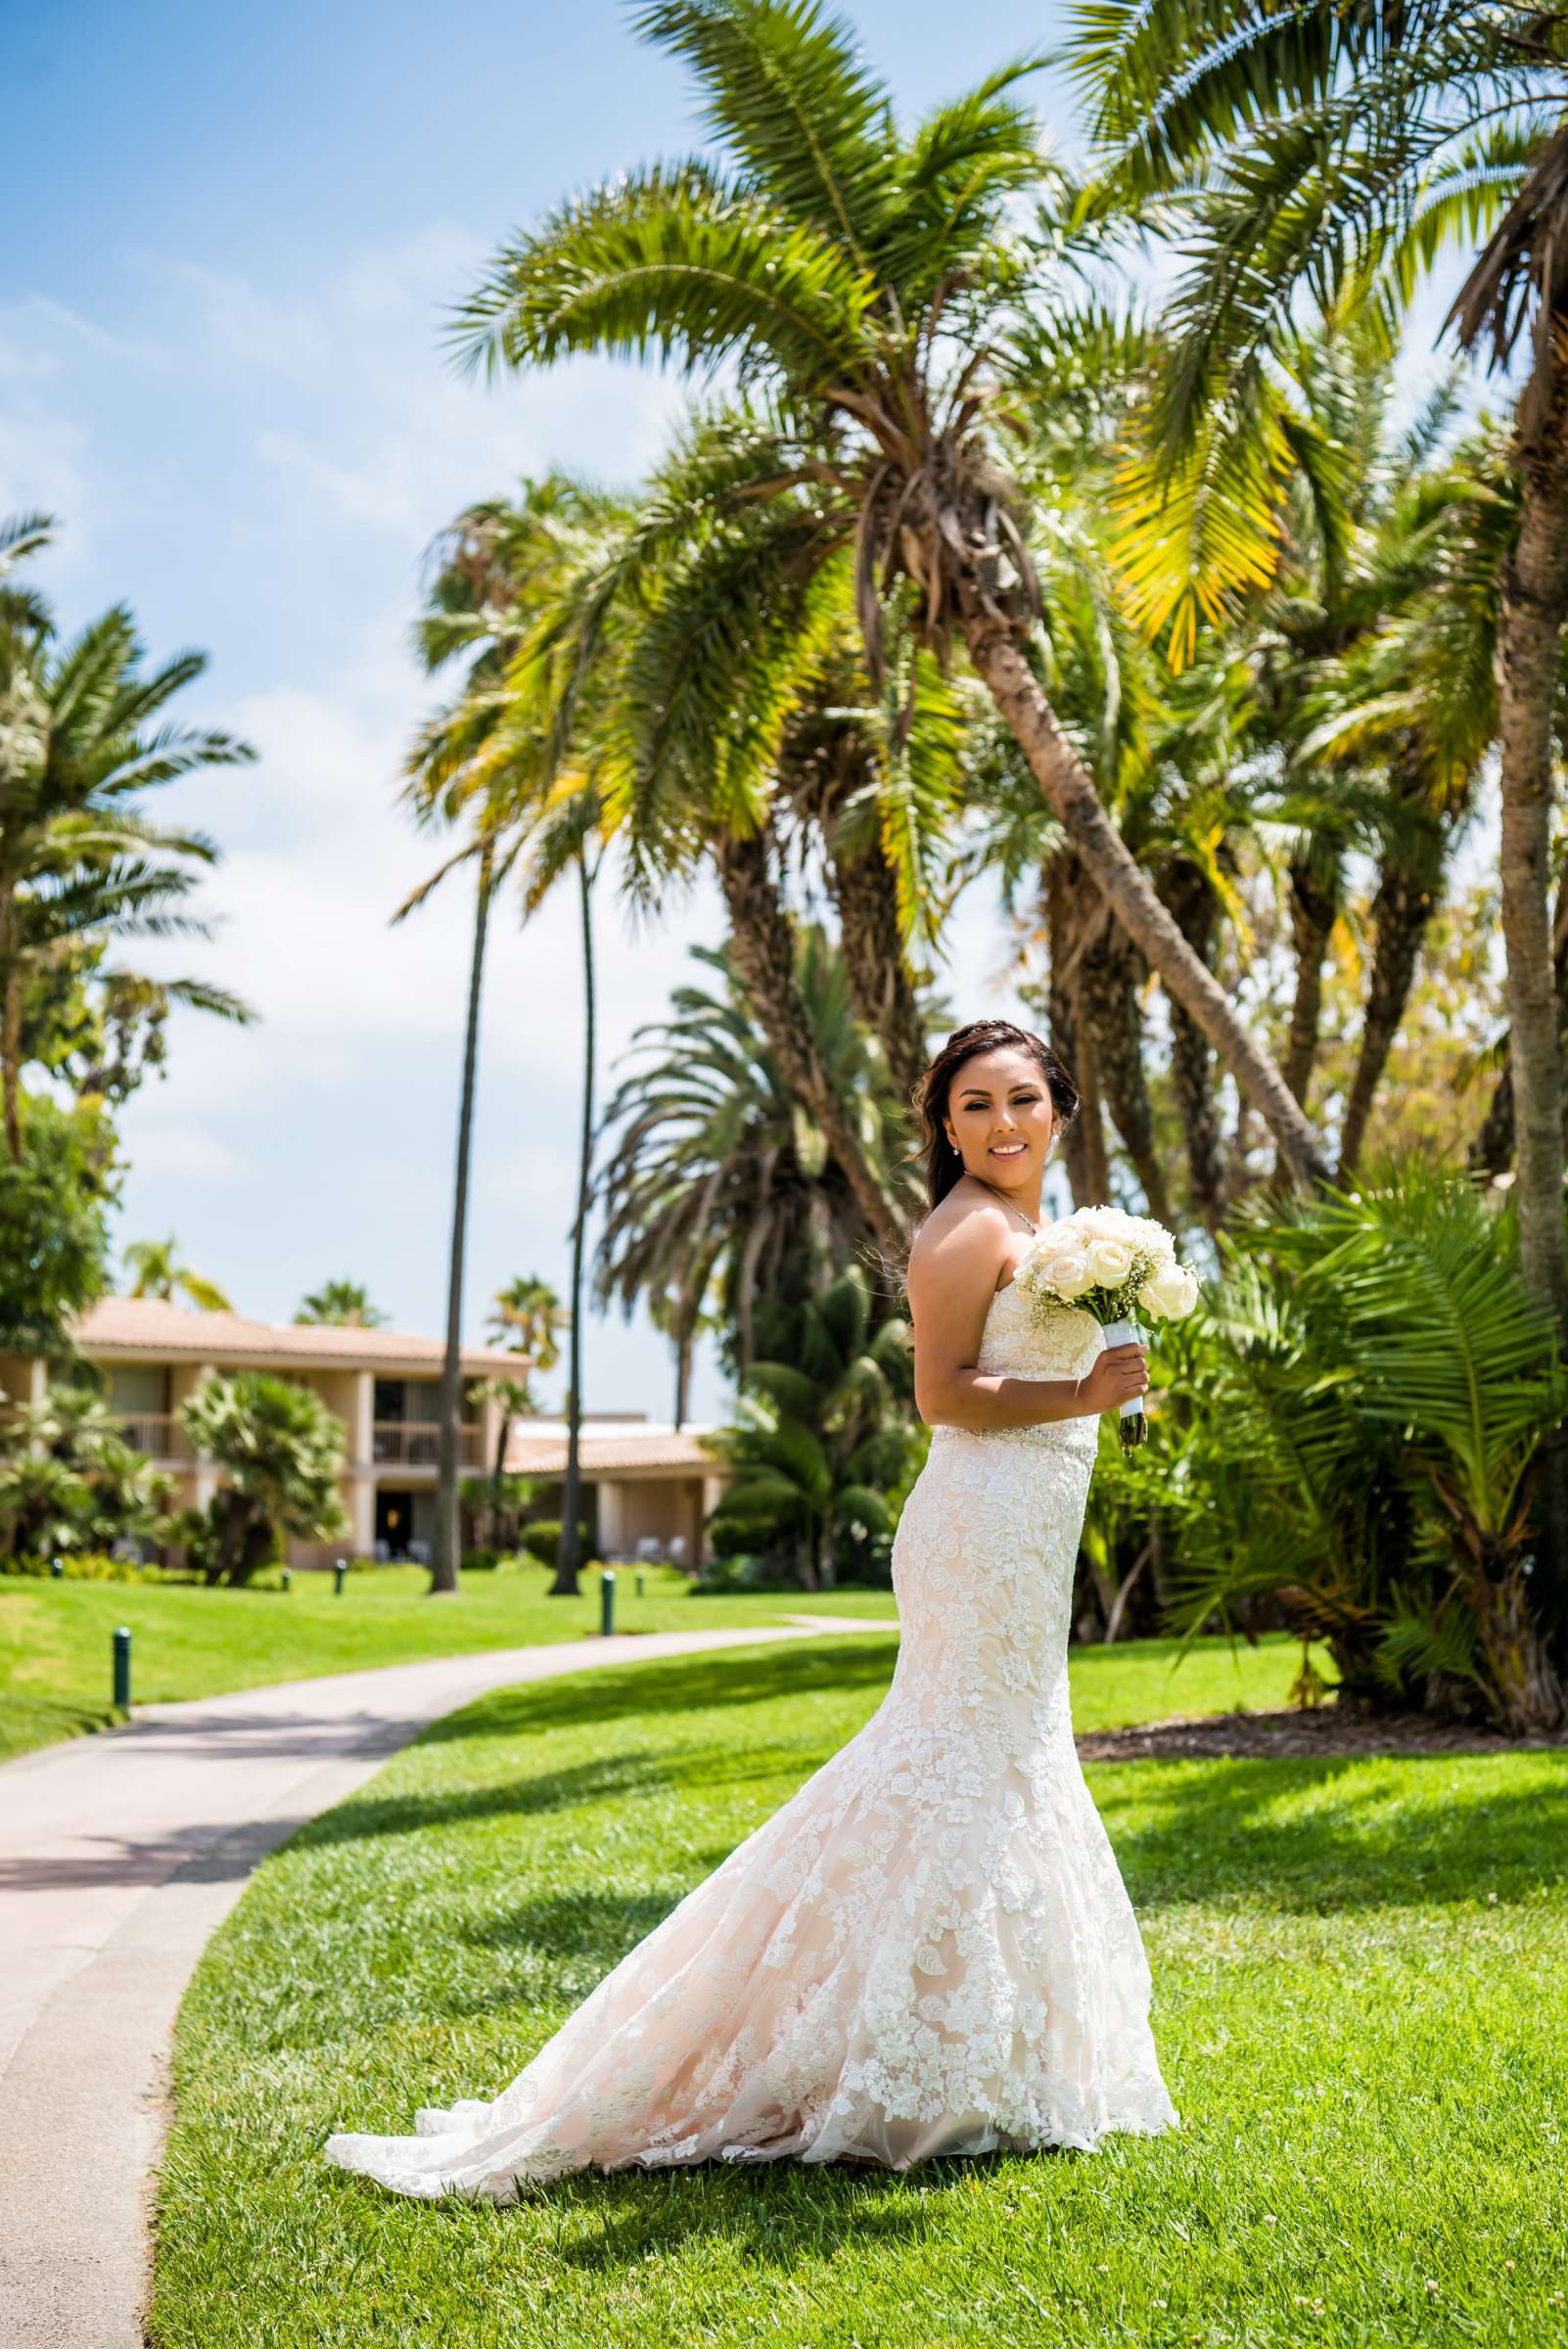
[1069, 793]
[11, 1023]
[1191, 899]
[1078, 1146]
[568, 1561]
[443, 1579]
[1108, 1006]
[763, 952]
[1313, 905]
[1090, 1120]
[1534, 605]
[1533, 611]
[1402, 908]
[876, 967]
[824, 766]
[1492, 1151]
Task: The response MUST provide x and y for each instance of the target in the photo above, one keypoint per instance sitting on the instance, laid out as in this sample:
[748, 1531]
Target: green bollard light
[288, 1579]
[607, 1602]
[122, 1668]
[339, 1574]
[56, 1570]
[640, 1582]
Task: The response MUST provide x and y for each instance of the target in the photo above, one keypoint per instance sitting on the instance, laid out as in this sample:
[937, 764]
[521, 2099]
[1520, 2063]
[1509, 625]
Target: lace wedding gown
[928, 1949]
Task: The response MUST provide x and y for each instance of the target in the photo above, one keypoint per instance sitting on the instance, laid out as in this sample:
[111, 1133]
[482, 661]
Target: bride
[928, 1949]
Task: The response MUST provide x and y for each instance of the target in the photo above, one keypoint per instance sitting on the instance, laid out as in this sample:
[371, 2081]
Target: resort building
[646, 1489]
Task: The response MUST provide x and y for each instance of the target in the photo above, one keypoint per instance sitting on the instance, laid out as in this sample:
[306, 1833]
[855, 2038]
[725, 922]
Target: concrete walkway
[118, 1855]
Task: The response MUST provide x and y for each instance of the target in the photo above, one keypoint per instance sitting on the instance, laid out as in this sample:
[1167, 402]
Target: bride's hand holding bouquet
[1111, 1264]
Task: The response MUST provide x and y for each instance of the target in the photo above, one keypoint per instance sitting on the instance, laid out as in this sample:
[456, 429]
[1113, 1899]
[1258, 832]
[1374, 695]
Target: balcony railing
[159, 1434]
[395, 1443]
[416, 1444]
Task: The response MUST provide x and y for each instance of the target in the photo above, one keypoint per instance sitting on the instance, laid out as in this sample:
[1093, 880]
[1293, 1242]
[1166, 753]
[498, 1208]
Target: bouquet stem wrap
[1131, 1414]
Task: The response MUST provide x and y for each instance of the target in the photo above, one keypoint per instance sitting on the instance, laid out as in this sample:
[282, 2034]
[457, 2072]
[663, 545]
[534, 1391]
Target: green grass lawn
[1358, 2002]
[55, 1637]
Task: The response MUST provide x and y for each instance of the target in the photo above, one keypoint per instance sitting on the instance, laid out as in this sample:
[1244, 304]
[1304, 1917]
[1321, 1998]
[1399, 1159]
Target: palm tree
[698, 680]
[155, 1270]
[878, 788]
[711, 1179]
[22, 535]
[565, 1584]
[485, 764]
[512, 1396]
[528, 1315]
[822, 1436]
[1319, 148]
[281, 1450]
[863, 285]
[344, 1304]
[68, 1480]
[79, 746]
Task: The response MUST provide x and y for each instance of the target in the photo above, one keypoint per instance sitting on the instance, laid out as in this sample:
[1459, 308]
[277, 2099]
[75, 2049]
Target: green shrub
[480, 1560]
[91, 1566]
[542, 1539]
[724, 1571]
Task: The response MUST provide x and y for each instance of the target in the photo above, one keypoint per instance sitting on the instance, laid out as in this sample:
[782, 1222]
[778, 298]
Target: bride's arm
[952, 1274]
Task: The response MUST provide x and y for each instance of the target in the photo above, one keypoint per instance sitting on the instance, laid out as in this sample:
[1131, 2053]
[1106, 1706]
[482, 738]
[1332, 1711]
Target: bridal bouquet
[1108, 1264]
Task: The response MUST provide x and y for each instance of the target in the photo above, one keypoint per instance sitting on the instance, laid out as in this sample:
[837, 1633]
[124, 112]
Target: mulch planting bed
[1311, 1729]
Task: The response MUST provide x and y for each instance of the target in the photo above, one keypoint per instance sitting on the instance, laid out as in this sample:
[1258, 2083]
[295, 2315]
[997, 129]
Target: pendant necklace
[1006, 1202]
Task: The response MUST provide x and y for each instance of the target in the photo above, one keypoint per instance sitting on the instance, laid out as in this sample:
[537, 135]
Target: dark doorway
[394, 1521]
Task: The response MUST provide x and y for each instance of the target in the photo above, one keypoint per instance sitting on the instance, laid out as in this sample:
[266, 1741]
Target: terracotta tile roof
[143, 1326]
[538, 1451]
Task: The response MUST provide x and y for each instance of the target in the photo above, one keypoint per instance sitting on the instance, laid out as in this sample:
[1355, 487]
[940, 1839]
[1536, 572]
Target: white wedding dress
[928, 1949]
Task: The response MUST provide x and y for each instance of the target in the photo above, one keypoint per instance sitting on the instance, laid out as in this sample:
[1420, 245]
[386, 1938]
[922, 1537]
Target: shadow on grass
[695, 1684]
[1334, 1836]
[786, 2214]
[606, 1778]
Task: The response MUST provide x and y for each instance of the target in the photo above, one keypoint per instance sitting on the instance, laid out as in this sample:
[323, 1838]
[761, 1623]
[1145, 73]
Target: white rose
[1110, 1262]
[1095, 1223]
[1067, 1272]
[1171, 1293]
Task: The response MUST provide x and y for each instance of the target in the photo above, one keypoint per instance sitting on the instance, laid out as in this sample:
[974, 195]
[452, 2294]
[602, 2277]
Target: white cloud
[188, 1153]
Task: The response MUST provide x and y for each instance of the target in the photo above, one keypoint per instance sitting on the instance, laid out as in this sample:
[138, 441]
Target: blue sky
[220, 365]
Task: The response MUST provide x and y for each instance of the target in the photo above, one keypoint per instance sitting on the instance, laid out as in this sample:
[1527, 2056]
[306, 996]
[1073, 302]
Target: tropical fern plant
[823, 1444]
[1367, 1403]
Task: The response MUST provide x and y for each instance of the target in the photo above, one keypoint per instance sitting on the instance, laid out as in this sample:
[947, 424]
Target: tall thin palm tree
[479, 767]
[444, 1562]
[863, 282]
[568, 1560]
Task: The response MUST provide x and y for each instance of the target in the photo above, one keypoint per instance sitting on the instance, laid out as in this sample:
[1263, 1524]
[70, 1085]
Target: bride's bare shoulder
[959, 1249]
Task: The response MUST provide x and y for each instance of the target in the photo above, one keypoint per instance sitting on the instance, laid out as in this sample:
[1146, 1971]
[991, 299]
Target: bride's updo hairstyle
[943, 1164]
